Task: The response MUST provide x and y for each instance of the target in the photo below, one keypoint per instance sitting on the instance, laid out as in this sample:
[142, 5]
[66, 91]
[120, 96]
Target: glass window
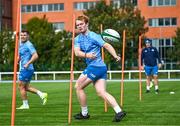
[168, 42]
[40, 8]
[150, 22]
[150, 2]
[28, 8]
[23, 8]
[167, 21]
[161, 22]
[50, 7]
[91, 5]
[85, 5]
[161, 42]
[56, 7]
[173, 2]
[61, 7]
[134, 2]
[75, 5]
[160, 2]
[173, 21]
[34, 8]
[58, 25]
[167, 2]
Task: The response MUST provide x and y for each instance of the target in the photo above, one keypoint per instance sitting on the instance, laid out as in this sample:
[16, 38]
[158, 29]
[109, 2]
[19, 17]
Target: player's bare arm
[33, 58]
[112, 51]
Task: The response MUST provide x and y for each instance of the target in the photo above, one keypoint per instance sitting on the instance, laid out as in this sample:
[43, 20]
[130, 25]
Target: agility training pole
[122, 75]
[102, 54]
[15, 64]
[71, 74]
[140, 70]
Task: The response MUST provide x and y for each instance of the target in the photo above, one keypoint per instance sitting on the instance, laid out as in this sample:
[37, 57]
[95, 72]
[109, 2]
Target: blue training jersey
[25, 53]
[150, 56]
[91, 43]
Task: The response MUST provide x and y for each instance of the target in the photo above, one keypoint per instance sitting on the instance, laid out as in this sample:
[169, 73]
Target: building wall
[66, 15]
[160, 12]
[6, 14]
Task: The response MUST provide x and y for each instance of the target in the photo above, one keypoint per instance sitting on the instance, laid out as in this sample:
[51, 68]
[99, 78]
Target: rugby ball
[110, 35]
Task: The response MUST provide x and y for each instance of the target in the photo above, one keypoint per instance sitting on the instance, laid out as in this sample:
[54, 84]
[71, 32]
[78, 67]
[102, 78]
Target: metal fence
[63, 76]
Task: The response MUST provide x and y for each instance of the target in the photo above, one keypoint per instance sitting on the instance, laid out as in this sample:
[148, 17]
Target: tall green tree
[6, 50]
[54, 49]
[41, 35]
[174, 53]
[126, 17]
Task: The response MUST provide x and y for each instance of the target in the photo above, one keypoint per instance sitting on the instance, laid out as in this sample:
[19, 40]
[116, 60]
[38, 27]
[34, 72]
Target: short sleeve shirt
[25, 53]
[91, 43]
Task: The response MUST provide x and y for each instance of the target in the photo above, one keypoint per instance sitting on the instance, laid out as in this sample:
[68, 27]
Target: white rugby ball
[110, 35]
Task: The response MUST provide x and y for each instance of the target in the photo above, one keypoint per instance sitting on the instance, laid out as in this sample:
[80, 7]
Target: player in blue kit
[88, 46]
[149, 59]
[27, 55]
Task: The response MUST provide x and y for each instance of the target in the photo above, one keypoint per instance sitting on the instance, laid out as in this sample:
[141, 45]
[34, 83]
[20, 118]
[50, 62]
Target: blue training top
[150, 56]
[91, 43]
[25, 53]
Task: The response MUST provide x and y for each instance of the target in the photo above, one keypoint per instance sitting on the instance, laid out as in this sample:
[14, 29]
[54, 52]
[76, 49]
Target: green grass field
[161, 109]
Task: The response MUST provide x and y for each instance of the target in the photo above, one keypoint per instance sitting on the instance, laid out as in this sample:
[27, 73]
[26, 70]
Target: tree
[126, 17]
[41, 35]
[6, 50]
[175, 52]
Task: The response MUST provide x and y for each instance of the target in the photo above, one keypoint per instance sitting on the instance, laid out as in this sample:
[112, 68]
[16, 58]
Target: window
[58, 26]
[173, 21]
[61, 7]
[162, 22]
[56, 7]
[34, 8]
[42, 8]
[84, 5]
[167, 21]
[150, 2]
[165, 45]
[173, 2]
[150, 22]
[118, 3]
[168, 42]
[23, 9]
[50, 7]
[161, 2]
[167, 2]
[28, 8]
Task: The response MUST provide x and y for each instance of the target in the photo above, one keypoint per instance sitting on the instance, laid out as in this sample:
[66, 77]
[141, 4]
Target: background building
[5, 14]
[162, 17]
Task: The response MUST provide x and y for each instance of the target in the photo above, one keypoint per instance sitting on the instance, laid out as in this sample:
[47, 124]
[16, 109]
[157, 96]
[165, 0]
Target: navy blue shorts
[96, 72]
[25, 75]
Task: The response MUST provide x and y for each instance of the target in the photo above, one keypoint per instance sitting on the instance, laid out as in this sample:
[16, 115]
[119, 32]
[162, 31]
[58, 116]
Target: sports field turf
[161, 109]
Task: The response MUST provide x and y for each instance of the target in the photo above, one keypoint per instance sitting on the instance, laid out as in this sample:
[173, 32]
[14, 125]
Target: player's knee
[100, 93]
[77, 87]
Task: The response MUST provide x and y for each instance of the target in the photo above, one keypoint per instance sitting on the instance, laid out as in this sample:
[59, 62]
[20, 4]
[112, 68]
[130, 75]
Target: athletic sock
[117, 109]
[156, 87]
[40, 94]
[147, 87]
[84, 110]
[25, 103]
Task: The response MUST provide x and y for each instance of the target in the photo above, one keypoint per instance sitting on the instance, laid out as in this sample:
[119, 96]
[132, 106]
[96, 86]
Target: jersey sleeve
[76, 42]
[31, 48]
[98, 39]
